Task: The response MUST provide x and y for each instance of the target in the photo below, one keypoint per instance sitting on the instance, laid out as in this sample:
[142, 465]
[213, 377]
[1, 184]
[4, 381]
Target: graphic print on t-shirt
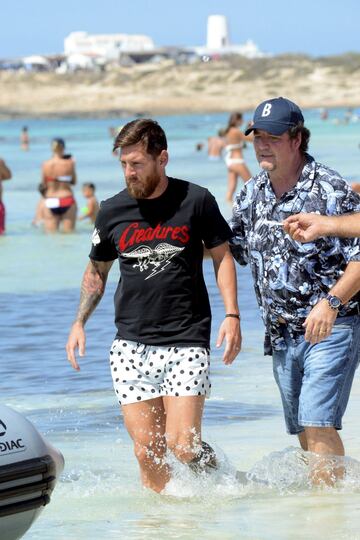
[95, 239]
[155, 260]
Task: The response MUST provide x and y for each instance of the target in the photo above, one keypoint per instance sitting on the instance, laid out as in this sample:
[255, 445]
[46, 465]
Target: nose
[128, 169]
[261, 143]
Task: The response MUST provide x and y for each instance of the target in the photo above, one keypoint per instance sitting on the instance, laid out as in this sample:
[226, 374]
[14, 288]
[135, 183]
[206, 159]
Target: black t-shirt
[161, 298]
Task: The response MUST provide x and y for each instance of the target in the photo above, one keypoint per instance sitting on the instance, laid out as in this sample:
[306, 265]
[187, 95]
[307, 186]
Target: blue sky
[316, 27]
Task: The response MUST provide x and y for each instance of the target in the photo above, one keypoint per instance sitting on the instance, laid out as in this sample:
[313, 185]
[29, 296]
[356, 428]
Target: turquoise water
[99, 495]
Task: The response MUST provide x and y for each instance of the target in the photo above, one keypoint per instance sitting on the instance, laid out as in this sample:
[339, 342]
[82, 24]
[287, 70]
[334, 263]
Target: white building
[217, 32]
[109, 46]
[218, 41]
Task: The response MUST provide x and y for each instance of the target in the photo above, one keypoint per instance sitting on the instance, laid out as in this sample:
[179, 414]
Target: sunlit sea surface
[99, 495]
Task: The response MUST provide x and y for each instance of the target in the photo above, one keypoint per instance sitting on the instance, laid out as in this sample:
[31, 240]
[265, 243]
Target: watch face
[334, 302]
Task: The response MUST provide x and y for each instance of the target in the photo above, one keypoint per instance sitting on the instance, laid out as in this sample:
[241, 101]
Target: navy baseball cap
[276, 116]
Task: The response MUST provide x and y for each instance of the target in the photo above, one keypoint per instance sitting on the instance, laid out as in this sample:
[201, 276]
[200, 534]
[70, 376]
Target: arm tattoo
[92, 288]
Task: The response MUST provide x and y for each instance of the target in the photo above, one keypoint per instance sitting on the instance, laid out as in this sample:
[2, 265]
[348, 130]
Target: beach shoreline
[160, 89]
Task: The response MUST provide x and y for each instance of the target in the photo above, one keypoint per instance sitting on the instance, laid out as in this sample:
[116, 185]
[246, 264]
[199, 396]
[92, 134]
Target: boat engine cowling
[29, 469]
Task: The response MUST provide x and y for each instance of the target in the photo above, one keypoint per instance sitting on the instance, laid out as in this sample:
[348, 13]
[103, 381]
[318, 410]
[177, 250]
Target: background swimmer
[40, 207]
[58, 175]
[235, 142]
[91, 208]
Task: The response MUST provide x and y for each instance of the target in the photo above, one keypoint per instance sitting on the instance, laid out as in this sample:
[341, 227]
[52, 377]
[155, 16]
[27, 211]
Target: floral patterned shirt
[291, 277]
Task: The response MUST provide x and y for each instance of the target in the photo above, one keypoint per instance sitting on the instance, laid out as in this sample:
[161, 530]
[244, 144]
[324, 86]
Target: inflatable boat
[29, 469]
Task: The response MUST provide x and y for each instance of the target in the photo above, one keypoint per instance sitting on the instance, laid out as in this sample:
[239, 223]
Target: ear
[296, 141]
[163, 158]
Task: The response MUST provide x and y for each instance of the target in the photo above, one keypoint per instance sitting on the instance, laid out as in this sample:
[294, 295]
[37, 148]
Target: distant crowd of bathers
[57, 209]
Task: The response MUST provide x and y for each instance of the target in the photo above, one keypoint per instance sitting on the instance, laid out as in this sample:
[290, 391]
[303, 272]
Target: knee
[149, 453]
[183, 449]
[142, 453]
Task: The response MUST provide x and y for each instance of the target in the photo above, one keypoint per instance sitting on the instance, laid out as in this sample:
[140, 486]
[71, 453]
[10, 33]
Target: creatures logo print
[155, 260]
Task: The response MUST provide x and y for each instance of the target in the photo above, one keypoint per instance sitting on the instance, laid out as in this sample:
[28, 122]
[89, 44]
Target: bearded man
[160, 360]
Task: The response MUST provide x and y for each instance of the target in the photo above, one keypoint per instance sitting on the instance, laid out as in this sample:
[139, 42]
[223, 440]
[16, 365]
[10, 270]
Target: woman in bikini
[235, 142]
[58, 175]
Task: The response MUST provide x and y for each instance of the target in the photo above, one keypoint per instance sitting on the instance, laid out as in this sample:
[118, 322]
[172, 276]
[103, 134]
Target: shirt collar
[304, 183]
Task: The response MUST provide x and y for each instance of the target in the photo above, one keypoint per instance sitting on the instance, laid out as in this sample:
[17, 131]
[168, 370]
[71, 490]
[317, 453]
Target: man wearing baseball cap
[307, 292]
[276, 116]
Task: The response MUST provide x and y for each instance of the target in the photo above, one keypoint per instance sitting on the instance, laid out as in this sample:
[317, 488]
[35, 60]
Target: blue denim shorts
[315, 380]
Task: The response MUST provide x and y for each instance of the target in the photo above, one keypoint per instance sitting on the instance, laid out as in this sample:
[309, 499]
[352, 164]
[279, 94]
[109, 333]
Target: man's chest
[149, 249]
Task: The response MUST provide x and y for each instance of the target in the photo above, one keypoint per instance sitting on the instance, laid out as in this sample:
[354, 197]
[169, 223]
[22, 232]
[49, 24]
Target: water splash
[204, 486]
[286, 472]
[291, 470]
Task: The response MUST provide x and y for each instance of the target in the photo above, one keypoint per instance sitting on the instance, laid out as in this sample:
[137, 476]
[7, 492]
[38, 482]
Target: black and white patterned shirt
[291, 277]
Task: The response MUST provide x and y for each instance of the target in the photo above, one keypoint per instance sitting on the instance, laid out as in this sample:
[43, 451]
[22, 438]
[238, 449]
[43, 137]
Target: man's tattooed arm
[92, 288]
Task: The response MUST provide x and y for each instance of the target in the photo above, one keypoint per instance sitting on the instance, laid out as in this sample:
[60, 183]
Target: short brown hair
[144, 131]
[305, 135]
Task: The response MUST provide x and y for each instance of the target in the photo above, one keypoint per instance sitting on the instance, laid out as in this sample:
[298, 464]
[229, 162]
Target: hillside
[226, 85]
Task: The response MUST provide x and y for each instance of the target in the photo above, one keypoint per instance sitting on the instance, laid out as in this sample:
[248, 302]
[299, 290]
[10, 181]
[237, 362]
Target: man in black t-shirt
[159, 360]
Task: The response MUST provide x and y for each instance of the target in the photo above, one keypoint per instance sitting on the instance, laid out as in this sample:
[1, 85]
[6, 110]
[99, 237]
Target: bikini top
[64, 178]
[230, 147]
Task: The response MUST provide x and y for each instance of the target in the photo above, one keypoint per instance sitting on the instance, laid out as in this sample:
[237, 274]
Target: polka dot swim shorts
[141, 372]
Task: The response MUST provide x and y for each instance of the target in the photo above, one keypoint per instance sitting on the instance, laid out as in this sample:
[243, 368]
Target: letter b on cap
[266, 110]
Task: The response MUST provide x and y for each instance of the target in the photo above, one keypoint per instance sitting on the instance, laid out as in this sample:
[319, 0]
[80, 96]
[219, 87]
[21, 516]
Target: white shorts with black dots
[141, 372]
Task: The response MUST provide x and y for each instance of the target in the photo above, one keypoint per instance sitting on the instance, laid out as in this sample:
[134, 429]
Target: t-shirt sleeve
[103, 247]
[214, 229]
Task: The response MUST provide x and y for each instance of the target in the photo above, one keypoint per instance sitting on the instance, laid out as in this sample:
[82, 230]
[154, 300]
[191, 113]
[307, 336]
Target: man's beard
[143, 190]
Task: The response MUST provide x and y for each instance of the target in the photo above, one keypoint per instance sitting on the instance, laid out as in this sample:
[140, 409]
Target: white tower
[217, 32]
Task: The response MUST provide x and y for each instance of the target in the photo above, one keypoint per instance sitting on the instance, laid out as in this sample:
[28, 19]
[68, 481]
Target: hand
[76, 340]
[231, 331]
[307, 227]
[319, 323]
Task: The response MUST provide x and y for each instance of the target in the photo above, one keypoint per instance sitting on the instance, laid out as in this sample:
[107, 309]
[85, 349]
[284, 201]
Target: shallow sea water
[99, 494]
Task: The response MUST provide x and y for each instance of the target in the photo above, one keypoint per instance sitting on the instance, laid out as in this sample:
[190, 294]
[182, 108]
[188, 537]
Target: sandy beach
[216, 86]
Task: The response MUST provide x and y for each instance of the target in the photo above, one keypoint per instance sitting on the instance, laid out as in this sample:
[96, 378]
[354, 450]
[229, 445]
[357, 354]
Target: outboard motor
[29, 469]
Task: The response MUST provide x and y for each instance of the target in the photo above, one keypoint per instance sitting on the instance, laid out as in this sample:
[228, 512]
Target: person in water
[91, 209]
[5, 174]
[24, 139]
[40, 209]
[235, 141]
[308, 294]
[216, 145]
[160, 361]
[58, 176]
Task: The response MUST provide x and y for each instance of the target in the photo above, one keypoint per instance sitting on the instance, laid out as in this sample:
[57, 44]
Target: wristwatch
[334, 301]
